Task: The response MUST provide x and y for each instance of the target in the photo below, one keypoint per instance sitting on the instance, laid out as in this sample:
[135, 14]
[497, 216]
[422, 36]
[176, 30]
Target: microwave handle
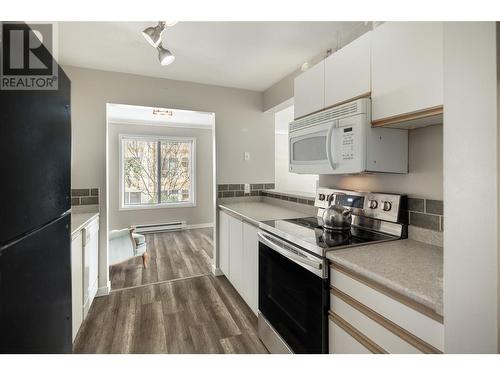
[329, 147]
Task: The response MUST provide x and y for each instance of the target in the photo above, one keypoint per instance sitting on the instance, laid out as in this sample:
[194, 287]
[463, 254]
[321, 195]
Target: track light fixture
[154, 37]
[153, 34]
[165, 56]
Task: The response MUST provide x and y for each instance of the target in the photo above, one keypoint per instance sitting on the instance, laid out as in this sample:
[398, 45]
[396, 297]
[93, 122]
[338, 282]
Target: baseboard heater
[161, 227]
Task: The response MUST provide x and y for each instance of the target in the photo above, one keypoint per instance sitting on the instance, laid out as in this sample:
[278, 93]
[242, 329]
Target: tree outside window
[157, 171]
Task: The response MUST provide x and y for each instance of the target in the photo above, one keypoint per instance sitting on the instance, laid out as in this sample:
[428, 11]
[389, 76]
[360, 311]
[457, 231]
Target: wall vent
[335, 113]
[161, 227]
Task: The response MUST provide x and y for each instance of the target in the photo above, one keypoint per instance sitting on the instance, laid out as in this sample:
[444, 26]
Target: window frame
[155, 138]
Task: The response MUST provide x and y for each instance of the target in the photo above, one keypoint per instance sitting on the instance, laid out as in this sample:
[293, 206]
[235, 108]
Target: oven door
[293, 297]
[309, 149]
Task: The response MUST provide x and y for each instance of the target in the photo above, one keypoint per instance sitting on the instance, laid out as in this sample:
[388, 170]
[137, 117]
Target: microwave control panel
[347, 145]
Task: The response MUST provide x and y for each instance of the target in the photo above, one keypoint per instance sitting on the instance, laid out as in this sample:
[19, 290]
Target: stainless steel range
[293, 270]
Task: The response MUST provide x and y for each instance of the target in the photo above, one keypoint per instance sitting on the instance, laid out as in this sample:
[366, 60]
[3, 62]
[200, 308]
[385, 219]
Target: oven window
[309, 149]
[294, 301]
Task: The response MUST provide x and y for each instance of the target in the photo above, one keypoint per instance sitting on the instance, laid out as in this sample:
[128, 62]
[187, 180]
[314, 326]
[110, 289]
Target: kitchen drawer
[415, 322]
[385, 334]
[343, 339]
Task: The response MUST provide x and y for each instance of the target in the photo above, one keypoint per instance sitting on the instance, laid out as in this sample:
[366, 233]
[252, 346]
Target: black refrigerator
[35, 221]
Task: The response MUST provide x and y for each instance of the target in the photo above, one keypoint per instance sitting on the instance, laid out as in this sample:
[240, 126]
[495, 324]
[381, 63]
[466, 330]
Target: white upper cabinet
[347, 72]
[407, 70]
[309, 90]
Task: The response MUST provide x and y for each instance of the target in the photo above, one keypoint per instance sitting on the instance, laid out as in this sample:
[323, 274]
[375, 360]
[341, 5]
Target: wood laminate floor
[202, 314]
[171, 255]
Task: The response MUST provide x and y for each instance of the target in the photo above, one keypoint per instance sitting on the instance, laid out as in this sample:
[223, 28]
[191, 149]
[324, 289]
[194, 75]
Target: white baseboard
[198, 226]
[104, 290]
[216, 271]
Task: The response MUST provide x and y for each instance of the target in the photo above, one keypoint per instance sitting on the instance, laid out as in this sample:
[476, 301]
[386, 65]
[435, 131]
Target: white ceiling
[248, 55]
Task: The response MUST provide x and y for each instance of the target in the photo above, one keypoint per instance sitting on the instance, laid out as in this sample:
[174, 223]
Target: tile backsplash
[287, 197]
[238, 190]
[84, 197]
[426, 213]
[420, 212]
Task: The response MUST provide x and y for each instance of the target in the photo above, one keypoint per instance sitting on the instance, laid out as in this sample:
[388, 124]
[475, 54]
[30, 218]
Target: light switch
[246, 156]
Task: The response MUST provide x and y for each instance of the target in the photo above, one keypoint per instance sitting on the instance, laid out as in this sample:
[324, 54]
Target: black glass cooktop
[308, 232]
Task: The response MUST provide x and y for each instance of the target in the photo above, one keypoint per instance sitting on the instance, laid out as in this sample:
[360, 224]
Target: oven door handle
[290, 254]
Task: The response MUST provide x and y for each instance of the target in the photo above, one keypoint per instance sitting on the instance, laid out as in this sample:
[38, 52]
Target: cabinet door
[347, 72]
[309, 90]
[251, 266]
[224, 243]
[407, 68]
[77, 282]
[236, 253]
[91, 259]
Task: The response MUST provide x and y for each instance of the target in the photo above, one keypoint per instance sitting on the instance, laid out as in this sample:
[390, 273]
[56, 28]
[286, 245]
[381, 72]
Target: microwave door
[308, 150]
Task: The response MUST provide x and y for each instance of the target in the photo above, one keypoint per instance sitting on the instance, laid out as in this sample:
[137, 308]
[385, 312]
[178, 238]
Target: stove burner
[333, 238]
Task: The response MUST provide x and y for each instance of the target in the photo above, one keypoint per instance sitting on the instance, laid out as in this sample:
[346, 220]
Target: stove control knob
[387, 206]
[321, 197]
[373, 204]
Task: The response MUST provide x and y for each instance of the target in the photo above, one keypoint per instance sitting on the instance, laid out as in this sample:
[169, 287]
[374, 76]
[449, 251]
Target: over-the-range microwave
[340, 140]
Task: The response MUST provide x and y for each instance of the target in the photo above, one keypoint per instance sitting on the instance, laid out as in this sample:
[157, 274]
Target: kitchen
[362, 262]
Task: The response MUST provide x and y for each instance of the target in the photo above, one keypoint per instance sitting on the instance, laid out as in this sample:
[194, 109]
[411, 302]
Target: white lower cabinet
[91, 260]
[224, 243]
[238, 256]
[382, 323]
[77, 281]
[341, 342]
[236, 253]
[84, 271]
[376, 332]
[251, 266]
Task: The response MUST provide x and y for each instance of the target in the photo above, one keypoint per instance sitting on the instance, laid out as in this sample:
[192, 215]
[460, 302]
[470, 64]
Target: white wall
[470, 188]
[284, 180]
[425, 177]
[204, 210]
[240, 125]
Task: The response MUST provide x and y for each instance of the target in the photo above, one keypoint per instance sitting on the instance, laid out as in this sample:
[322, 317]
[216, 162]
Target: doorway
[160, 189]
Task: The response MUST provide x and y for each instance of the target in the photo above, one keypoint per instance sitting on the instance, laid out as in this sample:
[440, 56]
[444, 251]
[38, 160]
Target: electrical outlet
[247, 189]
[246, 156]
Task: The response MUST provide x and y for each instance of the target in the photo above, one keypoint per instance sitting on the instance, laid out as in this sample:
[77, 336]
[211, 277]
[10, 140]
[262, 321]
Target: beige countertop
[255, 212]
[411, 268]
[81, 219]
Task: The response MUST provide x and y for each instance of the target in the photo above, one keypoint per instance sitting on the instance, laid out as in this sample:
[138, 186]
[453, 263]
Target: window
[157, 171]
